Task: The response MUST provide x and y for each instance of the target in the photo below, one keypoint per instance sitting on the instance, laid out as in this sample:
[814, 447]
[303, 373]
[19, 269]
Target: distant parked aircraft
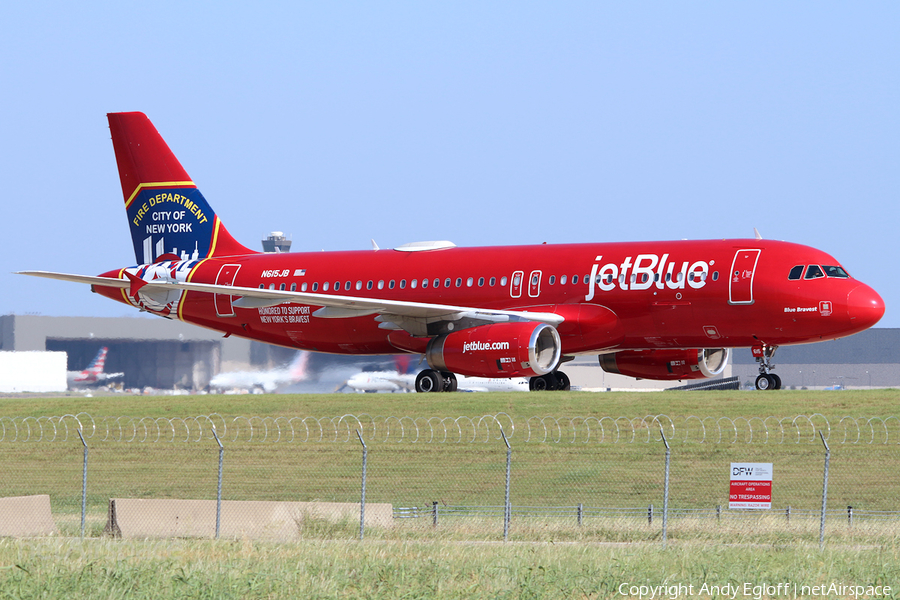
[393, 381]
[93, 375]
[263, 381]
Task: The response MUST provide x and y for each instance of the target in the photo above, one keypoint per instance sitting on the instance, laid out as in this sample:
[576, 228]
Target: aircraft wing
[334, 306]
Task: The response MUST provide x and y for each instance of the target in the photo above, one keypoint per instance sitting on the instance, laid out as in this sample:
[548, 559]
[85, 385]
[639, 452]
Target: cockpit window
[796, 273]
[813, 272]
[836, 272]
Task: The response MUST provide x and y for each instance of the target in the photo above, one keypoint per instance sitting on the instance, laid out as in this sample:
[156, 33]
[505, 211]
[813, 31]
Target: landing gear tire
[563, 382]
[544, 383]
[449, 381]
[429, 381]
[766, 381]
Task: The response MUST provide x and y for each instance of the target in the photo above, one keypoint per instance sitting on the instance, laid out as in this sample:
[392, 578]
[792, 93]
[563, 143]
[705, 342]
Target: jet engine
[498, 350]
[667, 364]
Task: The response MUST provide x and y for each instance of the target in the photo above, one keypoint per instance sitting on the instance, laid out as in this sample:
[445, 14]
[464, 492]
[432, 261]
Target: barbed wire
[453, 430]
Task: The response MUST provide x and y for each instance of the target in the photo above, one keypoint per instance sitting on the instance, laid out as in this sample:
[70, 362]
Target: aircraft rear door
[223, 301]
[740, 281]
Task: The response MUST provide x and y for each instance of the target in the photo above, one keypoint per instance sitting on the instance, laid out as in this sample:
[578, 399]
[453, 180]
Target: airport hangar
[166, 354]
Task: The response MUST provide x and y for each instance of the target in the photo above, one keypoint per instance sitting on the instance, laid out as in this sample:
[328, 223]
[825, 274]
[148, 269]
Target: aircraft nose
[864, 306]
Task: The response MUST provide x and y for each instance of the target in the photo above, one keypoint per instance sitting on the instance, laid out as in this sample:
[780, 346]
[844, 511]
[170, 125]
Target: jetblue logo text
[644, 271]
[481, 346]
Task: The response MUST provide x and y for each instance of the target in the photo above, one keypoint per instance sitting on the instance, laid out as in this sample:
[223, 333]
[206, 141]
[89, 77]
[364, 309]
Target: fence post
[665, 490]
[362, 498]
[219, 484]
[718, 513]
[650, 515]
[507, 510]
[580, 514]
[849, 516]
[434, 513]
[83, 482]
[824, 492]
[787, 513]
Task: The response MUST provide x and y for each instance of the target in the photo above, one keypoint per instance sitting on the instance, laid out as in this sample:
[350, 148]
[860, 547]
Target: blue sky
[481, 123]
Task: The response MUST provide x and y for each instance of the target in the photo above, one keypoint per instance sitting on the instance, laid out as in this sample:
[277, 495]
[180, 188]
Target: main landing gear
[766, 379]
[430, 380]
[550, 382]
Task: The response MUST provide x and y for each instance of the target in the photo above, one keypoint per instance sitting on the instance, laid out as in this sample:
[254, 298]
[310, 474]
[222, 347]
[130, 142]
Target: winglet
[136, 284]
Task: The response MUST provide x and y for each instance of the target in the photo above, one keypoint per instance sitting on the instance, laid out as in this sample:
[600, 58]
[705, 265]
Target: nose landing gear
[766, 379]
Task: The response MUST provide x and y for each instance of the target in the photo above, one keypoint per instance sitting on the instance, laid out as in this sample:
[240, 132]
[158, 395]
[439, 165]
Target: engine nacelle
[667, 364]
[500, 350]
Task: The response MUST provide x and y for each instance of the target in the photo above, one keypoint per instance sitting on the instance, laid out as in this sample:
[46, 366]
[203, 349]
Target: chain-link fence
[490, 477]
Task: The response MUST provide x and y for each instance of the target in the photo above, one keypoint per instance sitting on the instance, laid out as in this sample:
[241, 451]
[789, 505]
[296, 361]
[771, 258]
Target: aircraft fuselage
[635, 295]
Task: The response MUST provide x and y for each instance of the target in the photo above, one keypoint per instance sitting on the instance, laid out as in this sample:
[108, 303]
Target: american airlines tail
[96, 366]
[168, 216]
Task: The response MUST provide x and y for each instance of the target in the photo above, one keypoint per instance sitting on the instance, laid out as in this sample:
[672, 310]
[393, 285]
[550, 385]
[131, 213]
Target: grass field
[785, 403]
[388, 569]
[544, 557]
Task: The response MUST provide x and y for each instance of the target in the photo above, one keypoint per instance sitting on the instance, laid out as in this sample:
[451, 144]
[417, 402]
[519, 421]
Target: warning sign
[751, 485]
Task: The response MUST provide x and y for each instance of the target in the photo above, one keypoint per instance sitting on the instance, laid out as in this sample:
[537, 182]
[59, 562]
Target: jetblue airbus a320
[654, 310]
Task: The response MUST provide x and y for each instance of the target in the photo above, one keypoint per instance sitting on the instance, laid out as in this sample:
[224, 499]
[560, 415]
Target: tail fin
[166, 212]
[299, 364]
[96, 366]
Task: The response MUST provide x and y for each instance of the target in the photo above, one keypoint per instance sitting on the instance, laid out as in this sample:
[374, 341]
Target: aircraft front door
[223, 301]
[740, 281]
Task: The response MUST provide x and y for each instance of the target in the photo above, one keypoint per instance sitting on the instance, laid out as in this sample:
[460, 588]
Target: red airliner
[652, 310]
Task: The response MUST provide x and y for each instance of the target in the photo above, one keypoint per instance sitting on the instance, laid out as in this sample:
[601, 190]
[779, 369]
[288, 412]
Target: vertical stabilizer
[167, 214]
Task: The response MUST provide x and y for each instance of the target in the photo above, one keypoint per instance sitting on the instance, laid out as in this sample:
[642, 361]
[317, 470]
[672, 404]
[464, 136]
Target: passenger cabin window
[437, 282]
[316, 286]
[424, 283]
[492, 281]
[480, 281]
[813, 272]
[838, 272]
[325, 287]
[562, 280]
[447, 282]
[796, 273]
